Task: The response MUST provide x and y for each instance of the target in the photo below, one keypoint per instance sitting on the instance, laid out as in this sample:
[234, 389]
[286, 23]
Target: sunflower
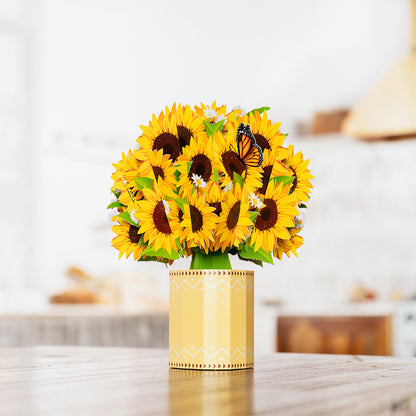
[267, 134]
[272, 167]
[154, 224]
[231, 163]
[234, 222]
[159, 168]
[170, 132]
[197, 165]
[301, 186]
[161, 134]
[188, 125]
[127, 240]
[126, 170]
[199, 222]
[274, 218]
[288, 246]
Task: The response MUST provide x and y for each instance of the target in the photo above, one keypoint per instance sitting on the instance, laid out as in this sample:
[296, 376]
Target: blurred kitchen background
[78, 77]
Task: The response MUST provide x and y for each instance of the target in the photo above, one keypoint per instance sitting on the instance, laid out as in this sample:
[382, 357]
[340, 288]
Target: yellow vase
[211, 319]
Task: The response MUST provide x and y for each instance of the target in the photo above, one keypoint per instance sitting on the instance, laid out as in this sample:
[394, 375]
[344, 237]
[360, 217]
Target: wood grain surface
[122, 381]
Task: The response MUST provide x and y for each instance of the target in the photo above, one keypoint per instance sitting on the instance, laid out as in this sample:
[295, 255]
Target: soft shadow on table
[193, 392]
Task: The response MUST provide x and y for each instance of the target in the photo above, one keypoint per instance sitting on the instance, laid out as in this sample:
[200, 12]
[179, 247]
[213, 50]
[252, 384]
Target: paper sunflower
[199, 222]
[274, 218]
[159, 167]
[301, 185]
[234, 221]
[272, 168]
[268, 135]
[127, 240]
[288, 246]
[198, 161]
[154, 224]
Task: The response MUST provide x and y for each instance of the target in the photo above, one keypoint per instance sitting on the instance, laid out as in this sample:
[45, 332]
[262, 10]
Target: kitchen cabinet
[360, 335]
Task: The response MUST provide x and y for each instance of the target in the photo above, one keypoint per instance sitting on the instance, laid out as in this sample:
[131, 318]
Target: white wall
[104, 67]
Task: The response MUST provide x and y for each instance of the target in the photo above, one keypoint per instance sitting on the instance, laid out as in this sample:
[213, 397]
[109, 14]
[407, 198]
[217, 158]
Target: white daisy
[198, 181]
[255, 201]
[221, 117]
[242, 110]
[210, 113]
[299, 221]
[167, 207]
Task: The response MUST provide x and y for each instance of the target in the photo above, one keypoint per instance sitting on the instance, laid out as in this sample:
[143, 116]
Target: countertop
[126, 381]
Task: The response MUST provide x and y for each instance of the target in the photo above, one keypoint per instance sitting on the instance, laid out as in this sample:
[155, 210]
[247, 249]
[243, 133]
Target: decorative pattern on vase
[211, 319]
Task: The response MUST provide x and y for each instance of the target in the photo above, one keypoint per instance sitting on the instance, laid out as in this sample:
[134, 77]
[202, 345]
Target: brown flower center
[267, 171]
[184, 135]
[158, 171]
[201, 166]
[180, 215]
[196, 218]
[268, 215]
[262, 141]
[134, 235]
[232, 163]
[160, 219]
[295, 181]
[169, 143]
[233, 215]
[217, 206]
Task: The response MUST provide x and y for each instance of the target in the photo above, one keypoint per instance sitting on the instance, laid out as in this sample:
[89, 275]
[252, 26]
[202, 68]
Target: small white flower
[255, 201]
[228, 187]
[167, 207]
[113, 198]
[198, 181]
[210, 113]
[221, 117]
[299, 221]
[132, 216]
[242, 110]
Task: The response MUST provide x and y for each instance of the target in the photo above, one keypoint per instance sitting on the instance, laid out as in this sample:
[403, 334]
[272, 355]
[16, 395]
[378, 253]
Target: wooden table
[122, 381]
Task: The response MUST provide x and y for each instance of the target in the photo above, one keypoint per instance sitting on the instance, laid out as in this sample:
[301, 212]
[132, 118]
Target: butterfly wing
[249, 152]
[254, 156]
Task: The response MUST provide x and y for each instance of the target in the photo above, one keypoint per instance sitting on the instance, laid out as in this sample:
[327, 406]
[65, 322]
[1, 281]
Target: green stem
[213, 260]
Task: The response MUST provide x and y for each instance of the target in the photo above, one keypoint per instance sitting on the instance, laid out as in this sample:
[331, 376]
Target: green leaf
[238, 179]
[216, 175]
[188, 166]
[253, 215]
[116, 193]
[262, 255]
[144, 183]
[302, 205]
[285, 180]
[115, 204]
[148, 251]
[260, 110]
[211, 128]
[181, 202]
[177, 174]
[126, 217]
[257, 262]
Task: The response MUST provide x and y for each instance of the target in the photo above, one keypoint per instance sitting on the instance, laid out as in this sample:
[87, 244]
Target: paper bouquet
[206, 183]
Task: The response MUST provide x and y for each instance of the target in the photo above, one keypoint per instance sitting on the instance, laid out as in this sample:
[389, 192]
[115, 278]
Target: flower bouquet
[208, 183]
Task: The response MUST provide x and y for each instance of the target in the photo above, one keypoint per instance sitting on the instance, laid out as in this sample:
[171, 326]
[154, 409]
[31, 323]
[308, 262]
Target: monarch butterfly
[249, 152]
